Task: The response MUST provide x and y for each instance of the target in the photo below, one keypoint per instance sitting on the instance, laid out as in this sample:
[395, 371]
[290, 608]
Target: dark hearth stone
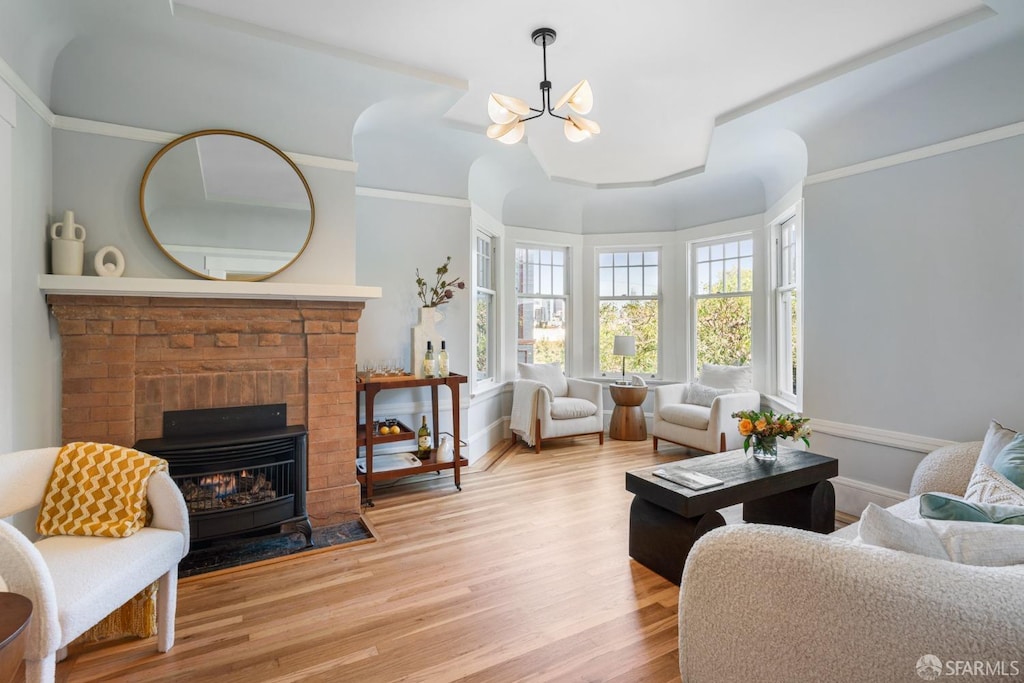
[209, 556]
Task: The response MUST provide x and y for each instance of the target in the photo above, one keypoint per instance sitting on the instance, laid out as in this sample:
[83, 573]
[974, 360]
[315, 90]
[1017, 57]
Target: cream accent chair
[767, 603]
[564, 406]
[76, 581]
[700, 415]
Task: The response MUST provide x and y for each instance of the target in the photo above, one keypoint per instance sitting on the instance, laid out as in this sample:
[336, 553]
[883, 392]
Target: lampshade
[505, 109]
[578, 128]
[510, 133]
[625, 345]
[580, 98]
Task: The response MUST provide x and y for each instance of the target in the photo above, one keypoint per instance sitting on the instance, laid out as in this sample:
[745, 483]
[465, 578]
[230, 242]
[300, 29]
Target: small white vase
[67, 246]
[423, 332]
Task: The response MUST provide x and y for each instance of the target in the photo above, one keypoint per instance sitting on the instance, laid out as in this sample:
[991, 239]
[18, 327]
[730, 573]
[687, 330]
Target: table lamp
[625, 345]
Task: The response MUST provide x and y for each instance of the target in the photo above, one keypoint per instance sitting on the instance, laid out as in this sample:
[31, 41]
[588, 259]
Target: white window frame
[484, 238]
[696, 296]
[657, 298]
[781, 324]
[566, 297]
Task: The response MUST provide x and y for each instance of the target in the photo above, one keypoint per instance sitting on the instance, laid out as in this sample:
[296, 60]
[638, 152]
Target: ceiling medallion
[510, 113]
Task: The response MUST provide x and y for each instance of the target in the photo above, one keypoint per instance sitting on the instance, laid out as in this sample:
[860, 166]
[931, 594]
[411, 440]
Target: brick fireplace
[127, 359]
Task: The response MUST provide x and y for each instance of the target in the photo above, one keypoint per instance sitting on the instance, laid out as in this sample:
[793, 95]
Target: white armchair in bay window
[548, 405]
[699, 415]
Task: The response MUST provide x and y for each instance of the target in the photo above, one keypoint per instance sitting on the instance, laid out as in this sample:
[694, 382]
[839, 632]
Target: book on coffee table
[687, 477]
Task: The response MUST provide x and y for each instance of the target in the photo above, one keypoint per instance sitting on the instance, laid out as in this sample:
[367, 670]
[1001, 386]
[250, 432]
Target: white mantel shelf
[202, 289]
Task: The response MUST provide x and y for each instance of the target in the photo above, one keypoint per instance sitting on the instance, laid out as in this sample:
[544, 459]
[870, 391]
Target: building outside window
[542, 304]
[788, 321]
[628, 304]
[723, 284]
[485, 298]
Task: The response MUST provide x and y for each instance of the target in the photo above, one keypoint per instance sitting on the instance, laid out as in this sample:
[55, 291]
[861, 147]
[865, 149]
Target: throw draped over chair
[548, 405]
[76, 581]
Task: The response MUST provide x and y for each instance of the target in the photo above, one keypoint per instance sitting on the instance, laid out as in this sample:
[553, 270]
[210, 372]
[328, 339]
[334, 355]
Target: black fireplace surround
[240, 469]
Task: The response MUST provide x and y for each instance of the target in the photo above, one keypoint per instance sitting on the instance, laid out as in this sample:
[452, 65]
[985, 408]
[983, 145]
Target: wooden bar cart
[367, 437]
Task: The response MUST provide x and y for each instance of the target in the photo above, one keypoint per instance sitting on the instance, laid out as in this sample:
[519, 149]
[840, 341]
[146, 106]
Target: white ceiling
[663, 71]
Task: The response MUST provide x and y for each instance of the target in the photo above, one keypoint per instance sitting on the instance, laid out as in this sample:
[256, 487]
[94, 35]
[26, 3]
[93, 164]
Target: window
[787, 309]
[723, 283]
[485, 315]
[541, 304]
[628, 303]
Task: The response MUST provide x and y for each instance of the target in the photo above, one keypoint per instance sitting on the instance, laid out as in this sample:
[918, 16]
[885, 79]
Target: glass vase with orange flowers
[762, 429]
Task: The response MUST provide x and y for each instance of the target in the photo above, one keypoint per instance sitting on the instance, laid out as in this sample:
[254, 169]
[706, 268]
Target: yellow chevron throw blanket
[97, 489]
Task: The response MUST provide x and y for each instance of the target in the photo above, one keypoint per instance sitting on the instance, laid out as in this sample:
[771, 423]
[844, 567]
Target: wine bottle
[442, 361]
[428, 360]
[423, 440]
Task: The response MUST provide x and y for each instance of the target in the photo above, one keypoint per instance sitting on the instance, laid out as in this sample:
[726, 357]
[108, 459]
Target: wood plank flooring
[523, 576]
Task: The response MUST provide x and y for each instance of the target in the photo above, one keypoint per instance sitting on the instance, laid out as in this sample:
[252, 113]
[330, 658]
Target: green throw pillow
[938, 506]
[1010, 461]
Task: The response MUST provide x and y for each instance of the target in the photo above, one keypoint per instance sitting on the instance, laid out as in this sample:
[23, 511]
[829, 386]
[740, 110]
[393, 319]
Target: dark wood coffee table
[666, 519]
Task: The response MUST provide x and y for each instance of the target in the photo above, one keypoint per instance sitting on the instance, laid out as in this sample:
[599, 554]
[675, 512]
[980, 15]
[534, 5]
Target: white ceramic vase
[424, 331]
[67, 246]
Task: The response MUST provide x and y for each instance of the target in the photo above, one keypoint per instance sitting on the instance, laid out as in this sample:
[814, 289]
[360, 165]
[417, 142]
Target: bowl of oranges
[388, 427]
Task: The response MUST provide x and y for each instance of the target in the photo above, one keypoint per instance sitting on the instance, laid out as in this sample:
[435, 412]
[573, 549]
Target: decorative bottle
[442, 361]
[428, 360]
[423, 440]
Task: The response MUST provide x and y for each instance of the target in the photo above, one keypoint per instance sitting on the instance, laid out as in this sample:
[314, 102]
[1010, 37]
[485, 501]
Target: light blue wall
[915, 299]
[36, 368]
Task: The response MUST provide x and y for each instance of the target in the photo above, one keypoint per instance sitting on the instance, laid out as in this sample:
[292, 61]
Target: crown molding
[402, 196]
[257, 31]
[116, 130]
[954, 145]
[22, 90]
[956, 23]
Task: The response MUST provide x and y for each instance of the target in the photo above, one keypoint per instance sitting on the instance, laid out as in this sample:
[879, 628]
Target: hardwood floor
[523, 576]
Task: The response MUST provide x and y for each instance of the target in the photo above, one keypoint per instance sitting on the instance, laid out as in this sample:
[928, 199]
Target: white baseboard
[485, 439]
[852, 496]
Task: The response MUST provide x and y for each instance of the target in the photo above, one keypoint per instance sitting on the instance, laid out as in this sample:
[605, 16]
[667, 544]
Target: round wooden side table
[628, 422]
[15, 612]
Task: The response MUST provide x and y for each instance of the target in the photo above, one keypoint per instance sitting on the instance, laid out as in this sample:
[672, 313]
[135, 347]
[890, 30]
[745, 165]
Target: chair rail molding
[882, 437]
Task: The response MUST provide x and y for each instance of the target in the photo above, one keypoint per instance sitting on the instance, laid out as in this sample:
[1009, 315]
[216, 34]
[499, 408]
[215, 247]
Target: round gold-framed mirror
[226, 205]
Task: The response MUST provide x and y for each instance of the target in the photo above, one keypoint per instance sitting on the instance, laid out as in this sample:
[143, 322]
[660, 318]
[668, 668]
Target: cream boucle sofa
[764, 603]
[76, 581]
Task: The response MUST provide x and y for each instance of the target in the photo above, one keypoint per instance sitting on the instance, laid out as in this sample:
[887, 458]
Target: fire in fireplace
[239, 469]
[227, 489]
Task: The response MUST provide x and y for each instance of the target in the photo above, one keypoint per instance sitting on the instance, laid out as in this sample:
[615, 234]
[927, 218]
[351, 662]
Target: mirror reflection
[226, 205]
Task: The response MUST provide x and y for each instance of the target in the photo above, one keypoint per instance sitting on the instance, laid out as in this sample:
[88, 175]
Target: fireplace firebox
[239, 469]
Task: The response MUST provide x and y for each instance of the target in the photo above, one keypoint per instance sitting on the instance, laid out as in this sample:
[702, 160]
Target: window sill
[780, 404]
[487, 389]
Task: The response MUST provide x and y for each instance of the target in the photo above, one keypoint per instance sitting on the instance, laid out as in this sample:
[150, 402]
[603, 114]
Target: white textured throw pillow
[548, 374]
[700, 395]
[988, 486]
[881, 528]
[980, 544]
[974, 543]
[738, 377]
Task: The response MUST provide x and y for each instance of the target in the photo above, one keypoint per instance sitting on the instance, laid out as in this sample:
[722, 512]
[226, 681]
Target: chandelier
[510, 113]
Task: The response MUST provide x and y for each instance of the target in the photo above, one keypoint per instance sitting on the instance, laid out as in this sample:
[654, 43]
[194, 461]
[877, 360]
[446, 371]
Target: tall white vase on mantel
[423, 332]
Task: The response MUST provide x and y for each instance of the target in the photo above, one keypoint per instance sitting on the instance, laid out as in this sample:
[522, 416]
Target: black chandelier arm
[540, 112]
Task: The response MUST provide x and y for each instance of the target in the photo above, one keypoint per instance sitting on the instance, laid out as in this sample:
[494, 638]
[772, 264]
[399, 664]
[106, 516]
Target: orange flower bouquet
[763, 429]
